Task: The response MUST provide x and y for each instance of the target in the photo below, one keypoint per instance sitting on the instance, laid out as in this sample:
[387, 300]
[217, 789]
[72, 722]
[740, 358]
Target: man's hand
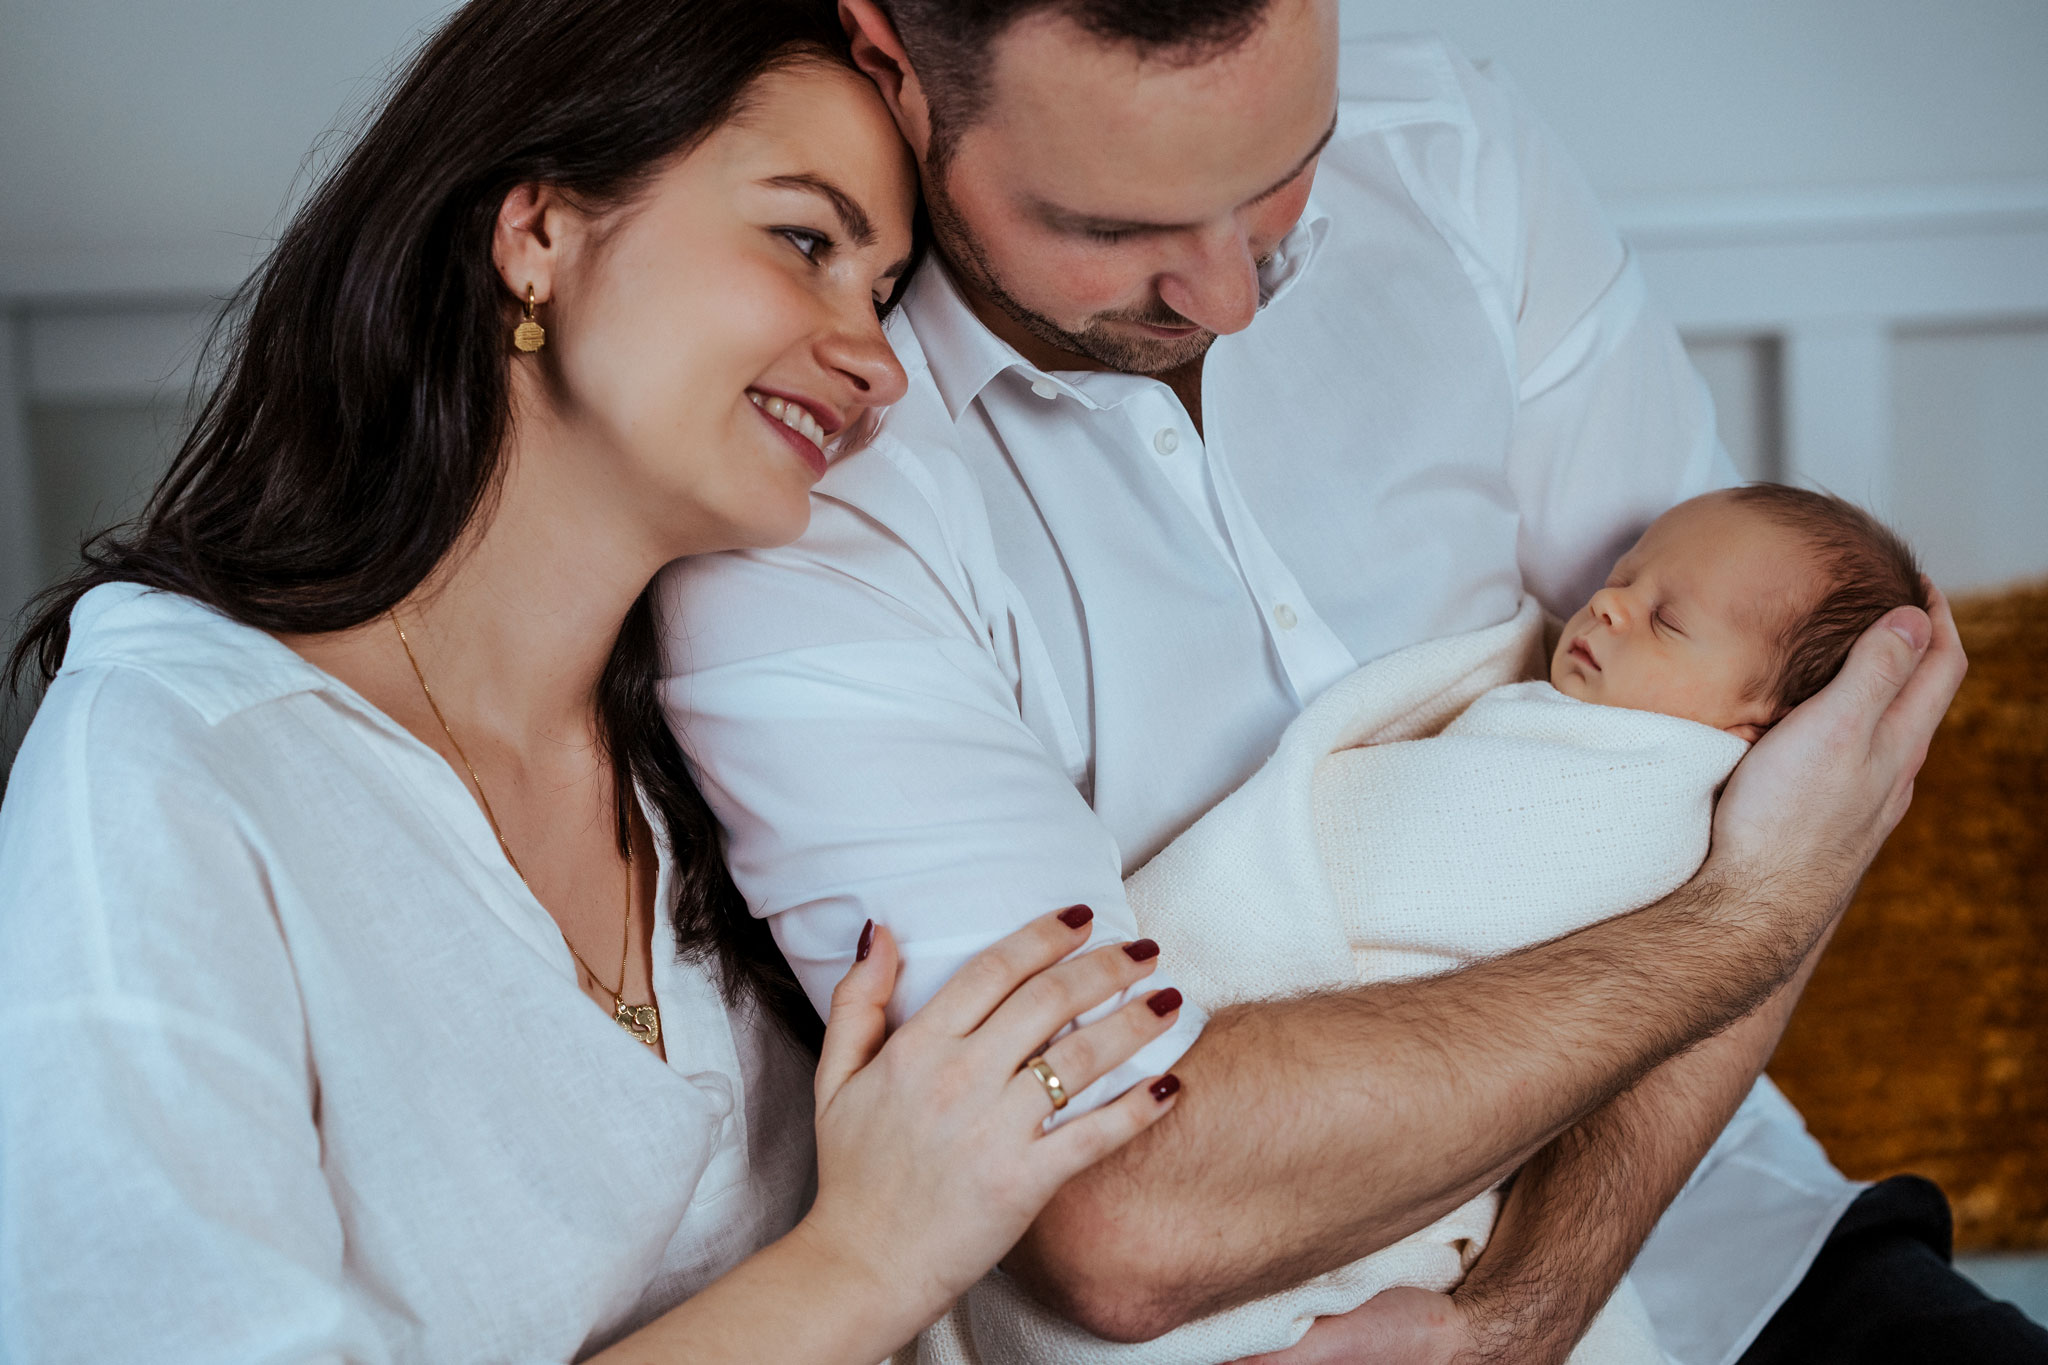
[1396, 1327]
[1810, 805]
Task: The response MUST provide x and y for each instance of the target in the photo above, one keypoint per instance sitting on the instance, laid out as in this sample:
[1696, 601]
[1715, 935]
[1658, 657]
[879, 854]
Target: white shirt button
[1044, 388]
[1284, 617]
[1166, 441]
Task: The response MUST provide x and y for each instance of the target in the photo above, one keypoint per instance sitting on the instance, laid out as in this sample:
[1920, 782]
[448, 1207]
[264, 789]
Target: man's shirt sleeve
[847, 710]
[1613, 423]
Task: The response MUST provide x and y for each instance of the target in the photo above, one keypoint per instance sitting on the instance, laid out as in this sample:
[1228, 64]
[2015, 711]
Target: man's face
[1115, 207]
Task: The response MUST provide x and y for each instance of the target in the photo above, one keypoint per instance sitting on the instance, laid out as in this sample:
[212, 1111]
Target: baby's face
[1685, 623]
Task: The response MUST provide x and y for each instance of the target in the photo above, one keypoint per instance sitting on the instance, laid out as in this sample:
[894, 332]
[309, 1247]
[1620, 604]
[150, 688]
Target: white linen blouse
[294, 1068]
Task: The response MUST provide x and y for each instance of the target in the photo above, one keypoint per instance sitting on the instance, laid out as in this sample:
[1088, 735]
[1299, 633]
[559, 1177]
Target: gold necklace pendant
[642, 1021]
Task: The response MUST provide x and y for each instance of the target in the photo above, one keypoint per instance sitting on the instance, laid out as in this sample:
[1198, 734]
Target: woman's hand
[932, 1153]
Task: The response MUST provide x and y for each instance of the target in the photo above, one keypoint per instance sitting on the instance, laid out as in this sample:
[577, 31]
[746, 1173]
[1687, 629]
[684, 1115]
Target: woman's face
[708, 341]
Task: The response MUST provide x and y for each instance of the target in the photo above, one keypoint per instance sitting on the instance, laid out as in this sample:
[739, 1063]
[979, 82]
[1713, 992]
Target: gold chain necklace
[642, 1021]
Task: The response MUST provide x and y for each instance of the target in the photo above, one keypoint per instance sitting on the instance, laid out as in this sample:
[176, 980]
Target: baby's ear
[1747, 733]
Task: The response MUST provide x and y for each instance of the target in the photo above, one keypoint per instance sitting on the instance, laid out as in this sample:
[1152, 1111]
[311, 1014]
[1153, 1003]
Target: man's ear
[882, 58]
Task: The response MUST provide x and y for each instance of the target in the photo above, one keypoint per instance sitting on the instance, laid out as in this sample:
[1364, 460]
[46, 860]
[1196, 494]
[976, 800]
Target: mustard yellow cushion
[1922, 1043]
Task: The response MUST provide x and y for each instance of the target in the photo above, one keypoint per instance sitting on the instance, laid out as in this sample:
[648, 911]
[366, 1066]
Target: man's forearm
[1582, 1208]
[1316, 1130]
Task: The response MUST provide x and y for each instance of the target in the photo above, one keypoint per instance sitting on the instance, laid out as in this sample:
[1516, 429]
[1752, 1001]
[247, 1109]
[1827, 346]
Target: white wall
[150, 144]
[1690, 96]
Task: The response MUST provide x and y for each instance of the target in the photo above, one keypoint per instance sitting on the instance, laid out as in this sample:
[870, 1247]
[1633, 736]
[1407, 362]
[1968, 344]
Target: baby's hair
[1867, 569]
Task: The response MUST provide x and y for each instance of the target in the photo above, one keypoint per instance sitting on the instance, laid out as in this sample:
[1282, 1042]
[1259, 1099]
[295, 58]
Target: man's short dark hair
[948, 42]
[1867, 570]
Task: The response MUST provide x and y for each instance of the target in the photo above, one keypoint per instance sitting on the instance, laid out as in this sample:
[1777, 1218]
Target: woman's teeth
[795, 416]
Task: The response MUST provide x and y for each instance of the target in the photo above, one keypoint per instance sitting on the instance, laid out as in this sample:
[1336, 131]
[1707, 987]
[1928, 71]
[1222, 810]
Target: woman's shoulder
[148, 647]
[127, 867]
[134, 759]
[150, 685]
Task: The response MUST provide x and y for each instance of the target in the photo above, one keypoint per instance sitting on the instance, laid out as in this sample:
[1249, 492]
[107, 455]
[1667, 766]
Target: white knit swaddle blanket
[1425, 812]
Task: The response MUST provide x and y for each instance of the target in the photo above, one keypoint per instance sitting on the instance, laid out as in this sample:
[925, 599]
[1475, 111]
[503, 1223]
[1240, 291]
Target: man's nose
[1217, 285]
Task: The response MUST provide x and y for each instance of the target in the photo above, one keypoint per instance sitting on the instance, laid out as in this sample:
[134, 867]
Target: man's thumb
[1882, 662]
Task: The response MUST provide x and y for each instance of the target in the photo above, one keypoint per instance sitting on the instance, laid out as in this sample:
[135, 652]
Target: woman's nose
[861, 355]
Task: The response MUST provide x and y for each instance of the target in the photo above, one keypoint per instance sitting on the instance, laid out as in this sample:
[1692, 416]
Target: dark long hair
[360, 418]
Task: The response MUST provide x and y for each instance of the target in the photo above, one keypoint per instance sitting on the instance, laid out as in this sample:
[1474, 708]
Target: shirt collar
[964, 357]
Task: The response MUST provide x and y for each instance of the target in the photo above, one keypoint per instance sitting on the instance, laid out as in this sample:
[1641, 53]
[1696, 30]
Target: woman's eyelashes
[814, 246]
[819, 248]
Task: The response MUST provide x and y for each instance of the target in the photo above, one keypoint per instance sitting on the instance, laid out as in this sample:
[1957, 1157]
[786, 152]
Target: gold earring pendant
[529, 335]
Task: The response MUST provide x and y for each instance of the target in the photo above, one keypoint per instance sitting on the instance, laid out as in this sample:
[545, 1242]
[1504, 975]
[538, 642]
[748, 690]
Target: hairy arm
[1582, 1208]
[1317, 1130]
[1573, 1220]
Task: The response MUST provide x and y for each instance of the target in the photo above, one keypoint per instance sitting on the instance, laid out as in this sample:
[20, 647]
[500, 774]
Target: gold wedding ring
[1054, 1091]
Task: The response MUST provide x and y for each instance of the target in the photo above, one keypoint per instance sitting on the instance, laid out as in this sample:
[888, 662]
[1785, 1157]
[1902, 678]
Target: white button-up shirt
[294, 1068]
[1043, 622]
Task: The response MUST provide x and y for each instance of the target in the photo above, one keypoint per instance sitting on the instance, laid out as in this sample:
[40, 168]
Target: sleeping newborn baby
[1735, 607]
[1433, 809]
[1729, 611]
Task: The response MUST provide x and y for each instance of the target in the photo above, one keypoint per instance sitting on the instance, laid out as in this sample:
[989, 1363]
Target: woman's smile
[795, 423]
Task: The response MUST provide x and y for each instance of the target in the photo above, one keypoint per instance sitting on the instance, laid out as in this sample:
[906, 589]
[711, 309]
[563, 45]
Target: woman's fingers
[986, 980]
[1078, 1144]
[1088, 1054]
[1054, 998]
[859, 1022]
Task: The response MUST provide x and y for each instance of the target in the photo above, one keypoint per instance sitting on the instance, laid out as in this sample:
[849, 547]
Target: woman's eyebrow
[859, 227]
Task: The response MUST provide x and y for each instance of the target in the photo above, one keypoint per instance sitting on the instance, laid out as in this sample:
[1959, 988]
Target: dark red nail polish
[866, 944]
[1164, 1002]
[1144, 950]
[1165, 1087]
[1074, 916]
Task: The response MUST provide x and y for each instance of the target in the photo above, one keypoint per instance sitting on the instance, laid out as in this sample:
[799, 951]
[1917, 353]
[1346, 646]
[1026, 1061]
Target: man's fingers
[1849, 710]
[859, 1021]
[1882, 662]
[1919, 706]
[1400, 1326]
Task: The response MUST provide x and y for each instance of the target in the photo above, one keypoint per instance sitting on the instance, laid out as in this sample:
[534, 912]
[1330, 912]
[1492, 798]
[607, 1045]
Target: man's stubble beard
[967, 257]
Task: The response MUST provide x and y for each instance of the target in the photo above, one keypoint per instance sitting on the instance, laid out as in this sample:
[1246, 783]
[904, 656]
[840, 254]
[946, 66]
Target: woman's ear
[882, 58]
[527, 242]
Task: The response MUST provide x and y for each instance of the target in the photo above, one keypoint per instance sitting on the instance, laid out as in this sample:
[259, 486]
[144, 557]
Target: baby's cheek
[1645, 684]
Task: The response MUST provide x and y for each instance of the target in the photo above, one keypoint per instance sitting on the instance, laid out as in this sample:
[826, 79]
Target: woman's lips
[808, 452]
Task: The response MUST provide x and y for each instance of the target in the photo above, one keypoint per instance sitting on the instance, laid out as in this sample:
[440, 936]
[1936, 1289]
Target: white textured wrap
[1427, 811]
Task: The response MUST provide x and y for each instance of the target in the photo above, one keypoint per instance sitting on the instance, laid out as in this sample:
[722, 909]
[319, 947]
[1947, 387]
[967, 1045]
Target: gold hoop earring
[529, 335]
